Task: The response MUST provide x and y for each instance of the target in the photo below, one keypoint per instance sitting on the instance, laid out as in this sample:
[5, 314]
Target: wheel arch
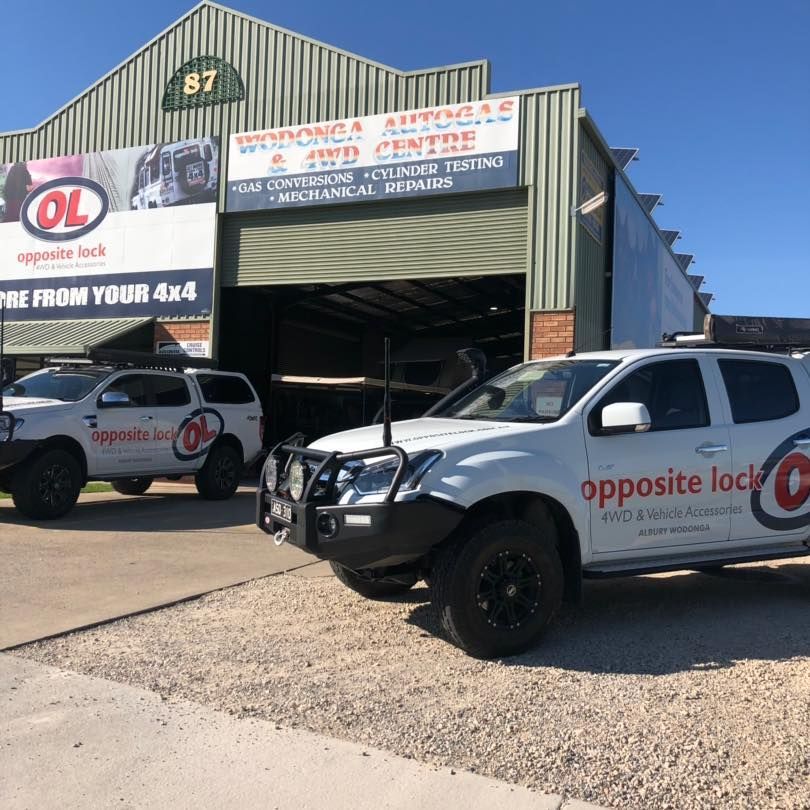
[70, 445]
[231, 440]
[537, 509]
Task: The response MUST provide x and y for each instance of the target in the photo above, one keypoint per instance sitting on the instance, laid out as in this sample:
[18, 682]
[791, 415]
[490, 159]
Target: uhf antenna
[387, 396]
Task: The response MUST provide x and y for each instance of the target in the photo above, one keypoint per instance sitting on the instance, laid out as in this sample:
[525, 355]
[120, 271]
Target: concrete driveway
[115, 555]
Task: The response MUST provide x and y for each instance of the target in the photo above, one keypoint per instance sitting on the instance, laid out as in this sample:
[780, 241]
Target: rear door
[654, 489]
[177, 446]
[770, 440]
[123, 436]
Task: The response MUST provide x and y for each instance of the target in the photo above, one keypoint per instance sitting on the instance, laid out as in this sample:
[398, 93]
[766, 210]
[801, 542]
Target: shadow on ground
[659, 625]
[178, 511]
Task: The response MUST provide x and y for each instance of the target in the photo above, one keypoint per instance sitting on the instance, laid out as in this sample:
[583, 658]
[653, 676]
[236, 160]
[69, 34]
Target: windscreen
[533, 392]
[68, 385]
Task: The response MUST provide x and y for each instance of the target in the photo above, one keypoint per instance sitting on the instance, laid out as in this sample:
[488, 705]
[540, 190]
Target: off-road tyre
[47, 486]
[371, 588]
[219, 477]
[132, 486]
[496, 589]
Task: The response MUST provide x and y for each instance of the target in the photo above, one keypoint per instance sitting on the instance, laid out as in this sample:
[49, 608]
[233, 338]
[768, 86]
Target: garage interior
[337, 330]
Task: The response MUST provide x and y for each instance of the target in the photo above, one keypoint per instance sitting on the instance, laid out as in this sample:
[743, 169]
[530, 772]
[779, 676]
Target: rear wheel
[48, 485]
[219, 476]
[372, 588]
[132, 486]
[496, 591]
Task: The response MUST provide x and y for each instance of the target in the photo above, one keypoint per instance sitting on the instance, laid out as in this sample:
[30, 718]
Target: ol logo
[197, 433]
[64, 209]
[782, 503]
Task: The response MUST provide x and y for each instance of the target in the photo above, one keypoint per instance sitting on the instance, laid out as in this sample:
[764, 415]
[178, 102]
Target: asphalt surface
[114, 555]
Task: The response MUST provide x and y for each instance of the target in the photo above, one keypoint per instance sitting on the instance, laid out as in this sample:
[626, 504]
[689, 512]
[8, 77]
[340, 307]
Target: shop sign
[437, 150]
[201, 81]
[191, 348]
[591, 183]
[122, 233]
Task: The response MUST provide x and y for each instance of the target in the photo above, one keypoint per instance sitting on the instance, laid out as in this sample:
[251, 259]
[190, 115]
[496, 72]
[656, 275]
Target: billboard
[122, 233]
[435, 150]
[651, 294]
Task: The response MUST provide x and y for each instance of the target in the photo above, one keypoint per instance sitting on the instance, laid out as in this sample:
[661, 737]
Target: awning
[41, 338]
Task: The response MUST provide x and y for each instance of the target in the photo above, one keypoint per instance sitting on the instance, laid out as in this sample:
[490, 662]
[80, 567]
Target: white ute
[591, 465]
[126, 418]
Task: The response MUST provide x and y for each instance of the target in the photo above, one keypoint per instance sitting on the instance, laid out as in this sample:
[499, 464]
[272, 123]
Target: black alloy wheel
[47, 486]
[510, 589]
[219, 477]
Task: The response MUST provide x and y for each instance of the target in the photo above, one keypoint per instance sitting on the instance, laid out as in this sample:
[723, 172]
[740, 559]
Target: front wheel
[372, 588]
[496, 591]
[48, 486]
[219, 476]
[132, 486]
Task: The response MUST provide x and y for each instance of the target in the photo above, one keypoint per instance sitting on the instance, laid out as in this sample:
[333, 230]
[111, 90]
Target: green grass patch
[94, 486]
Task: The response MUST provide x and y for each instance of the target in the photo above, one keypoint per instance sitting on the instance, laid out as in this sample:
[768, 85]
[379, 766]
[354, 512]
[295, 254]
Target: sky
[714, 93]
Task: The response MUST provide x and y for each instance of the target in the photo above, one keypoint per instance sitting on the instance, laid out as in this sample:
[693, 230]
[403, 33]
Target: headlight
[297, 480]
[271, 473]
[377, 478]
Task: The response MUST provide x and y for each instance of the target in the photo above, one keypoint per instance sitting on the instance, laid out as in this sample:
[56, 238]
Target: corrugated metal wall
[289, 79]
[592, 263]
[470, 234]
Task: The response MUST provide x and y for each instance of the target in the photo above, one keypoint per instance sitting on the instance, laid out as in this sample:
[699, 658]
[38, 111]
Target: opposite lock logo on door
[196, 434]
[783, 503]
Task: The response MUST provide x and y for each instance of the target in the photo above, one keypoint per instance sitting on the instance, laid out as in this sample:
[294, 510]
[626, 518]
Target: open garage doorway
[315, 351]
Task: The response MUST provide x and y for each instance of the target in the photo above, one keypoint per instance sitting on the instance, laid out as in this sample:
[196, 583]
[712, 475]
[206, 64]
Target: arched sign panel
[201, 81]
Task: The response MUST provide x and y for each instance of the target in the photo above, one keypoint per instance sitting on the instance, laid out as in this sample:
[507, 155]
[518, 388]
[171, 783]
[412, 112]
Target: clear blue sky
[715, 93]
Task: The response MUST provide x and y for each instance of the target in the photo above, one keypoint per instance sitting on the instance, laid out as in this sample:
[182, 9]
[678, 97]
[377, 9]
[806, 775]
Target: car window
[170, 391]
[759, 391]
[225, 389]
[135, 386]
[672, 391]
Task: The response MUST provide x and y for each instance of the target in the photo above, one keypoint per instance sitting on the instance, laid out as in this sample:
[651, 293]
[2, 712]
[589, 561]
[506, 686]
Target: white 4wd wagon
[126, 418]
[591, 465]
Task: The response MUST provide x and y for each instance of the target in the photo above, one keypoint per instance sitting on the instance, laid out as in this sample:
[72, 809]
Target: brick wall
[552, 333]
[181, 330]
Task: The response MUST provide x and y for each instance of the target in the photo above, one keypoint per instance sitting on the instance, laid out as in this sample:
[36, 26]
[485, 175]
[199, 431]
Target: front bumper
[15, 451]
[391, 534]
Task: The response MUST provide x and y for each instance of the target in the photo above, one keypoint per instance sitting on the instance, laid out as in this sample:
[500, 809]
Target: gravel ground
[682, 691]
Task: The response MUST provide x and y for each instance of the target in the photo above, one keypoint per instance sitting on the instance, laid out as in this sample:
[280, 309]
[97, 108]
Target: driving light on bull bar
[6, 426]
[271, 473]
[297, 480]
[328, 525]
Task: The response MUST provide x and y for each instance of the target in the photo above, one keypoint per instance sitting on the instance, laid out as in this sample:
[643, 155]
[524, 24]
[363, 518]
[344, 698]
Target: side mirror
[625, 417]
[114, 399]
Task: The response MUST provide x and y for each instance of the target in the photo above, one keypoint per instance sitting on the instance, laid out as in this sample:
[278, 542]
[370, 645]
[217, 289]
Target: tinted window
[759, 391]
[69, 385]
[134, 386]
[672, 391]
[224, 389]
[170, 391]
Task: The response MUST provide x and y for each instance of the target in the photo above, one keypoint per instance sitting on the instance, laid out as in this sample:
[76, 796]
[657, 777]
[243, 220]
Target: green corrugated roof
[65, 337]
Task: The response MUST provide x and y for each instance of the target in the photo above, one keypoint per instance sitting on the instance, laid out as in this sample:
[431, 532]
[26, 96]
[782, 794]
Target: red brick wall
[552, 333]
[181, 330]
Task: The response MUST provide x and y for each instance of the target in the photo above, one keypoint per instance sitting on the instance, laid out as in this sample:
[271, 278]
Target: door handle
[802, 441]
[711, 448]
[146, 418]
[90, 421]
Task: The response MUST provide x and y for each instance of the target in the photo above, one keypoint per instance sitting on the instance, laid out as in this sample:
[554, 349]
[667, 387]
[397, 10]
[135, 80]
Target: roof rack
[745, 332]
[120, 358]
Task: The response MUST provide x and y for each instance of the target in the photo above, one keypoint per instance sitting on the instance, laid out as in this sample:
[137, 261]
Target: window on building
[224, 389]
[672, 391]
[759, 391]
[170, 391]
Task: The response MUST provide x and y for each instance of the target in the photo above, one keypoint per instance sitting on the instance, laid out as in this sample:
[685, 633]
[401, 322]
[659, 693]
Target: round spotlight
[327, 524]
[271, 474]
[297, 480]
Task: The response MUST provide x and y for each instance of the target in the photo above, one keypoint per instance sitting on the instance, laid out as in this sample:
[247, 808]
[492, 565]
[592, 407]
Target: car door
[173, 409]
[655, 489]
[122, 434]
[770, 442]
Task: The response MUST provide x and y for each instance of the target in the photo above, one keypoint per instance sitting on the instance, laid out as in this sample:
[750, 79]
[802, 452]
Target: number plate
[281, 510]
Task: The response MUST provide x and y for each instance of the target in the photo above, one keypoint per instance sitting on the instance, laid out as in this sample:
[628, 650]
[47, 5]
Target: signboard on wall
[192, 348]
[651, 294]
[122, 233]
[436, 150]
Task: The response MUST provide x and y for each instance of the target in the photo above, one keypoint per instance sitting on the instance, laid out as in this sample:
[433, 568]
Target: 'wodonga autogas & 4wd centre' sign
[436, 150]
[123, 233]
